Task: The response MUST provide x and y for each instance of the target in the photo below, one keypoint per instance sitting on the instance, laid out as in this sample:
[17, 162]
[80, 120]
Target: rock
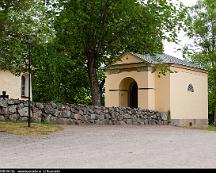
[61, 121]
[4, 111]
[53, 105]
[10, 102]
[14, 117]
[129, 121]
[146, 122]
[97, 111]
[127, 116]
[12, 109]
[53, 120]
[23, 112]
[93, 116]
[49, 109]
[107, 116]
[24, 118]
[134, 123]
[3, 103]
[66, 114]
[97, 122]
[77, 122]
[36, 118]
[39, 105]
[73, 110]
[77, 117]
[47, 118]
[15, 102]
[80, 112]
[38, 113]
[57, 113]
[122, 123]
[2, 118]
[101, 117]
[20, 106]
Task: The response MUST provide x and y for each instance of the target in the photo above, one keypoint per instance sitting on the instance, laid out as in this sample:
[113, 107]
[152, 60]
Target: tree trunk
[94, 84]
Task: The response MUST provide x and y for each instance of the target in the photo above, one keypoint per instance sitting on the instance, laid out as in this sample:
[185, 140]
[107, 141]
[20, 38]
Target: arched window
[23, 82]
[190, 88]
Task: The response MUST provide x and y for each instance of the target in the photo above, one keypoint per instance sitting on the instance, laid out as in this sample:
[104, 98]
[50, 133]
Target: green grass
[21, 128]
[209, 128]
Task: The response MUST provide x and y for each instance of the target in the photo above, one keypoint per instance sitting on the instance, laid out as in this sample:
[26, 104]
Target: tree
[57, 77]
[98, 30]
[5, 7]
[201, 28]
[23, 18]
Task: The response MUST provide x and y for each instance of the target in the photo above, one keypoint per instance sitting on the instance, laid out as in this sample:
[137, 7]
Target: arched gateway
[128, 93]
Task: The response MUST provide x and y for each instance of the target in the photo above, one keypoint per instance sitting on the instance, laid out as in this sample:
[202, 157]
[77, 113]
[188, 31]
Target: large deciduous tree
[201, 28]
[98, 30]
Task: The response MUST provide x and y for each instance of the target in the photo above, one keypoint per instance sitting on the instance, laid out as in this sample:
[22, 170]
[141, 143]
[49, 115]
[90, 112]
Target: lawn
[21, 128]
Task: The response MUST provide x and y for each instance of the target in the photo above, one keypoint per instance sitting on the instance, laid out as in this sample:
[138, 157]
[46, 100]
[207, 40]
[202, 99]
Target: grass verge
[209, 128]
[21, 128]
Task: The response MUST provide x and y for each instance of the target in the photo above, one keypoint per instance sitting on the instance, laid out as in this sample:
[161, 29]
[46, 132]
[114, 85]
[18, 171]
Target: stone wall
[16, 110]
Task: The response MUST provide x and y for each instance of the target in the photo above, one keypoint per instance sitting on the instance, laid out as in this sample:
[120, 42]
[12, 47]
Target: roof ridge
[165, 58]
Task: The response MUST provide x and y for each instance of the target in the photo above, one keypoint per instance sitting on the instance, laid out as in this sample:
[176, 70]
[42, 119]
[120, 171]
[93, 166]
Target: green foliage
[72, 39]
[29, 19]
[57, 77]
[97, 31]
[201, 27]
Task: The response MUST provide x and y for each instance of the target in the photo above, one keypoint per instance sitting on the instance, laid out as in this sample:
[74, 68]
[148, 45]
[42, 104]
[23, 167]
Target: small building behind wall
[134, 80]
[16, 87]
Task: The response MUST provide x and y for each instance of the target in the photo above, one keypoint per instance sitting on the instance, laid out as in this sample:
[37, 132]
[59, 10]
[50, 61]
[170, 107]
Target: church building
[136, 80]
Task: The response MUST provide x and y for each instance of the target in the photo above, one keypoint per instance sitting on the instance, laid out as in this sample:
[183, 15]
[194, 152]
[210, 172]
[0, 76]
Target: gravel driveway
[111, 147]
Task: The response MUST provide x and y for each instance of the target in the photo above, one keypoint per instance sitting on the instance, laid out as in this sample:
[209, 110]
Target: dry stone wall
[16, 110]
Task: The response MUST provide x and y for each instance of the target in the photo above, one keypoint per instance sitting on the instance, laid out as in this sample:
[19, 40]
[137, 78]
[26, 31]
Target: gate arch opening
[128, 93]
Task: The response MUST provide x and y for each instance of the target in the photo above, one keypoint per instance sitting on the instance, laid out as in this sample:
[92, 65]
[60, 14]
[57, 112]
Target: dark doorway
[133, 95]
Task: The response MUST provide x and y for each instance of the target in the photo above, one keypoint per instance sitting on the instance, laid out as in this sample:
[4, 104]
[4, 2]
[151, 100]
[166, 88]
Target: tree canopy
[97, 31]
[74, 39]
[201, 28]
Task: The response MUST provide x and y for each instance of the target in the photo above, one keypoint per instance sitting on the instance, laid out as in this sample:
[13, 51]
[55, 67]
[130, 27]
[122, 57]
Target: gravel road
[111, 147]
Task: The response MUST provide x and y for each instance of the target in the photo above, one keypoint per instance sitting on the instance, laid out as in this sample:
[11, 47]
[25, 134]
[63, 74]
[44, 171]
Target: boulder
[14, 117]
[48, 109]
[3, 103]
[39, 105]
[4, 111]
[77, 116]
[12, 109]
[93, 116]
[2, 118]
[23, 112]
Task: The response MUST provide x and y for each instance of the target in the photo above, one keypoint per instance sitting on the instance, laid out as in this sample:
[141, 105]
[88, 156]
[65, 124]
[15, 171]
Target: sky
[171, 48]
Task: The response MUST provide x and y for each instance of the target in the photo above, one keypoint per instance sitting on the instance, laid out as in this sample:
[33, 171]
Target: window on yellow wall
[190, 88]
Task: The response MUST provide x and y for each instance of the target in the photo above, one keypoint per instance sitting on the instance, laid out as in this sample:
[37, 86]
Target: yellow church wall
[127, 58]
[113, 96]
[185, 104]
[162, 92]
[11, 84]
[151, 90]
